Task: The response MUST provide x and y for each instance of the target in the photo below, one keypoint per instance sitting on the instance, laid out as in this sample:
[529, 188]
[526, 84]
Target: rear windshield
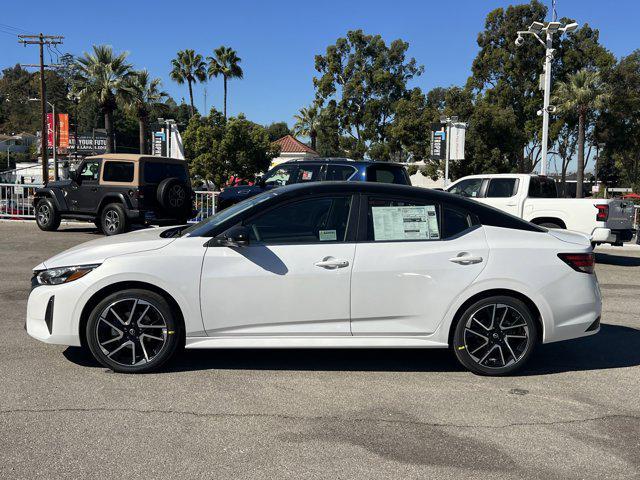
[155, 172]
[542, 187]
[388, 174]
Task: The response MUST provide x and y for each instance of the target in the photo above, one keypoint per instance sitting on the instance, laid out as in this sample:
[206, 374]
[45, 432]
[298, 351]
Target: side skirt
[313, 342]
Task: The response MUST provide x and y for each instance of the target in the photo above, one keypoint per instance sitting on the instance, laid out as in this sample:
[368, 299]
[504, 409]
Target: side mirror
[237, 236]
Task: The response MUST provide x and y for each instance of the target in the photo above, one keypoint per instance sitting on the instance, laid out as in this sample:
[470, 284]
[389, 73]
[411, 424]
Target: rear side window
[467, 188]
[308, 173]
[398, 220]
[502, 187]
[339, 173]
[117, 172]
[455, 222]
[542, 187]
[387, 174]
[155, 172]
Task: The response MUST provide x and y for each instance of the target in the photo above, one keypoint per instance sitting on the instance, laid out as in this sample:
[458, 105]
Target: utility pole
[42, 40]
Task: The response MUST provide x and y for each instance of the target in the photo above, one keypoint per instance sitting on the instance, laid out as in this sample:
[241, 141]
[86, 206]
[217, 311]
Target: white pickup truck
[535, 199]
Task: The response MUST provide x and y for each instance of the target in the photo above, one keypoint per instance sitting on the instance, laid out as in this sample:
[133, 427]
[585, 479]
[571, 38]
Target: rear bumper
[615, 237]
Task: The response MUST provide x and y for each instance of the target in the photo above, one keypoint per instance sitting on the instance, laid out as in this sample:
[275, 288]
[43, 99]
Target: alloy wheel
[112, 221]
[44, 214]
[131, 332]
[496, 336]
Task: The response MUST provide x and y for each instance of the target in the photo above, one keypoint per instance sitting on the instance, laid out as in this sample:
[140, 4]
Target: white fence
[16, 202]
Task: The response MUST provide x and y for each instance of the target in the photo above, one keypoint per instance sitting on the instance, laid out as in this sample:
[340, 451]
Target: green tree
[219, 147]
[365, 78]
[141, 91]
[307, 123]
[102, 75]
[226, 63]
[277, 130]
[189, 67]
[583, 93]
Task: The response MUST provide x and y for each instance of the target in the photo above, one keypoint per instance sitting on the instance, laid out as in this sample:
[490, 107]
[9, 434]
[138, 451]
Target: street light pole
[535, 29]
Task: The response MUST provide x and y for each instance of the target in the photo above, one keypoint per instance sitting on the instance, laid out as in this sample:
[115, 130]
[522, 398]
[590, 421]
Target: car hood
[58, 183]
[241, 191]
[571, 237]
[97, 251]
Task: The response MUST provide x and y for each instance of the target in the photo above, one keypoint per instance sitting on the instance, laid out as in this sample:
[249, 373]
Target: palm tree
[188, 67]
[141, 91]
[307, 124]
[582, 93]
[103, 74]
[225, 63]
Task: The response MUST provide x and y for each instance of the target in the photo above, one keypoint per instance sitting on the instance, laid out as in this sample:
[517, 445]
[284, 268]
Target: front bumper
[50, 313]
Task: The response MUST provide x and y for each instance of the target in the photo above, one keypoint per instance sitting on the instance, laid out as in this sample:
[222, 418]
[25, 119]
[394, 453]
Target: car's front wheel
[495, 336]
[114, 219]
[133, 331]
[47, 215]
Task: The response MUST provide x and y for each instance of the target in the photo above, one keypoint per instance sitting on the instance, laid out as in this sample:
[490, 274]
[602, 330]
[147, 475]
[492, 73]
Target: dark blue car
[317, 170]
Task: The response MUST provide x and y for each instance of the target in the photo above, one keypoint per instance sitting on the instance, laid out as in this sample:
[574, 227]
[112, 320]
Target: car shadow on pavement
[617, 260]
[614, 346]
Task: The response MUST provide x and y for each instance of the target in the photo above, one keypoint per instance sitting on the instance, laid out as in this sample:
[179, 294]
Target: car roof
[134, 157]
[338, 160]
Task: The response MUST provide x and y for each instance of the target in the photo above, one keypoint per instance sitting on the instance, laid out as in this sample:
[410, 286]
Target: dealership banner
[49, 130]
[63, 130]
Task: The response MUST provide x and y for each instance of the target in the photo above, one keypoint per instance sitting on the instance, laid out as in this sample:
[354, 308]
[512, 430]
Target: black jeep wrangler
[117, 190]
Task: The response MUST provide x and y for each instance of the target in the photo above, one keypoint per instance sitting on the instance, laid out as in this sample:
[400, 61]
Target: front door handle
[331, 263]
[464, 259]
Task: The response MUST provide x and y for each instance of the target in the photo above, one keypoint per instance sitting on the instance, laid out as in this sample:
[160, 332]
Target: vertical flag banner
[63, 130]
[49, 130]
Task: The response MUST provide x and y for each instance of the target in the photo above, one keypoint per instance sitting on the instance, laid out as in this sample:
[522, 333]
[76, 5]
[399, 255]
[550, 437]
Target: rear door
[620, 215]
[414, 260]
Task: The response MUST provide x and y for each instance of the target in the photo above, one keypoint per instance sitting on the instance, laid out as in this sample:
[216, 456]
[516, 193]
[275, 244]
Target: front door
[412, 266]
[84, 195]
[292, 280]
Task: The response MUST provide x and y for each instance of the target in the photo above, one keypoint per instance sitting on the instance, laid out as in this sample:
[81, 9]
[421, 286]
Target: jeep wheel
[47, 215]
[114, 219]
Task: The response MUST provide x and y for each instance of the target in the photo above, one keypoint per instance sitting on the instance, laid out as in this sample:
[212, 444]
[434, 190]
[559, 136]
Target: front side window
[90, 171]
[398, 220]
[118, 172]
[467, 188]
[502, 187]
[308, 173]
[315, 220]
[281, 176]
[339, 173]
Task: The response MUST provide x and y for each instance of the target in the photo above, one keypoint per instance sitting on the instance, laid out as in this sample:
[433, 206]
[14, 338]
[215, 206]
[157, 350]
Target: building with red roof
[292, 148]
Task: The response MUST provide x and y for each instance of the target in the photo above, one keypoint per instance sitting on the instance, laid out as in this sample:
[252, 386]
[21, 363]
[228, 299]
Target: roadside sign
[438, 142]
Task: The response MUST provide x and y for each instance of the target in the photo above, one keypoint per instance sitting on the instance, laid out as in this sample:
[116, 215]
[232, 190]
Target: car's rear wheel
[495, 336]
[114, 219]
[47, 215]
[133, 331]
[551, 225]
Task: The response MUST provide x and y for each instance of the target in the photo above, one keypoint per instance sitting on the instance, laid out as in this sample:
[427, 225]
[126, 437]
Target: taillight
[603, 213]
[580, 262]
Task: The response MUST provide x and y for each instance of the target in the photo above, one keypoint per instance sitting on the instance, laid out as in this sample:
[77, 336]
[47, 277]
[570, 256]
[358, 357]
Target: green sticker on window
[328, 235]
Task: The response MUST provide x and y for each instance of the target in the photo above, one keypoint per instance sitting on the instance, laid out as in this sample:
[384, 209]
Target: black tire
[113, 219]
[505, 350]
[47, 215]
[174, 197]
[112, 346]
[98, 223]
[551, 225]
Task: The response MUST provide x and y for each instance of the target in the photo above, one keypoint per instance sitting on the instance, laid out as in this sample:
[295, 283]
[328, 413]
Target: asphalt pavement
[574, 412]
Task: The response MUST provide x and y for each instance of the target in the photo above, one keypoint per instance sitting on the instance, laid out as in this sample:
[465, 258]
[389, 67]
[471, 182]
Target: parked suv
[317, 170]
[118, 190]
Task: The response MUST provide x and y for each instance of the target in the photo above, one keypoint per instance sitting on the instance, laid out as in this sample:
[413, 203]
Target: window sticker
[328, 235]
[405, 223]
[307, 175]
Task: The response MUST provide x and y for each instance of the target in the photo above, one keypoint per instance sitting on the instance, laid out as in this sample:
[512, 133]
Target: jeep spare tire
[174, 196]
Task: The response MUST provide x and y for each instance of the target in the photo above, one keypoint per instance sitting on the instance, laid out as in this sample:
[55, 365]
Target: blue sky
[277, 41]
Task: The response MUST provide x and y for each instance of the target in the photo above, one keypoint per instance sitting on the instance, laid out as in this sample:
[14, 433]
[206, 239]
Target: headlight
[56, 276]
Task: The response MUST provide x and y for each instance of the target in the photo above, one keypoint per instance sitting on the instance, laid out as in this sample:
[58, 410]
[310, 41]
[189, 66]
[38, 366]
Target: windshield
[208, 223]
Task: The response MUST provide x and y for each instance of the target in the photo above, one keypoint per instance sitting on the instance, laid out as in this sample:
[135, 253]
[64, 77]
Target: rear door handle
[331, 263]
[465, 260]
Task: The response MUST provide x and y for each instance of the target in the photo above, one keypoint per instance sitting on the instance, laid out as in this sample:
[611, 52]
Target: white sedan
[325, 265]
